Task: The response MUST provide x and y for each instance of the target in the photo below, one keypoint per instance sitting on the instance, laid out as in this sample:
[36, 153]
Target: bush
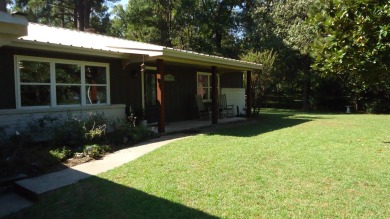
[95, 134]
[61, 154]
[96, 151]
[69, 131]
[378, 106]
[140, 133]
[31, 150]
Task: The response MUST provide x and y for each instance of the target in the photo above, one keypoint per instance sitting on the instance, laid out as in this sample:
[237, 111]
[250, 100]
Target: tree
[219, 17]
[281, 25]
[3, 5]
[261, 79]
[147, 21]
[352, 44]
[290, 17]
[353, 38]
[78, 14]
[200, 25]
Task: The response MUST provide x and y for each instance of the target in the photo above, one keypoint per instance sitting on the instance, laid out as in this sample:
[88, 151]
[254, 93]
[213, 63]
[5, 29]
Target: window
[51, 83]
[96, 84]
[204, 85]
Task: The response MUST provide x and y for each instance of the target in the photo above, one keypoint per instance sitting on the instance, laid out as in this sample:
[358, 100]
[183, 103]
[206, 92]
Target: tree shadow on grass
[100, 198]
[263, 124]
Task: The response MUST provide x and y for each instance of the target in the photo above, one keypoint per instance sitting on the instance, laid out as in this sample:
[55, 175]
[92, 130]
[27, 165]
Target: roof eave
[66, 48]
[209, 60]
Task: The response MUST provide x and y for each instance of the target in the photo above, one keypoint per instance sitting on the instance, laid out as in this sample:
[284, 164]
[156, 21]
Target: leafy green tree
[353, 38]
[352, 44]
[219, 19]
[199, 25]
[263, 79]
[147, 21]
[78, 14]
[281, 25]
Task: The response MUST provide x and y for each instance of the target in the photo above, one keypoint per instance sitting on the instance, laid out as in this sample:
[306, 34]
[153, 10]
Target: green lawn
[288, 164]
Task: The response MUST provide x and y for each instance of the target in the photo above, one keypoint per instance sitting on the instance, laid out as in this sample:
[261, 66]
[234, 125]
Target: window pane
[202, 85]
[68, 74]
[68, 95]
[206, 94]
[38, 72]
[95, 75]
[96, 94]
[35, 95]
[150, 89]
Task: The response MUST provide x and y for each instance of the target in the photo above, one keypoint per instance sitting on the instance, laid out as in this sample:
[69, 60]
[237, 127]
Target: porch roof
[45, 37]
[11, 27]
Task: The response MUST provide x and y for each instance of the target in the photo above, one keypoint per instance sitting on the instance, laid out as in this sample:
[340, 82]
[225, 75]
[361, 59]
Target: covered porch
[214, 67]
[195, 125]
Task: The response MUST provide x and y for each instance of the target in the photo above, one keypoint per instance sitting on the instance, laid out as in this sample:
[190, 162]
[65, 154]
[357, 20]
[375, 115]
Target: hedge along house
[56, 71]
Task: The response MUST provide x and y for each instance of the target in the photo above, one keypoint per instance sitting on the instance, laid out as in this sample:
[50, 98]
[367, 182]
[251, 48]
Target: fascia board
[66, 49]
[13, 24]
[209, 60]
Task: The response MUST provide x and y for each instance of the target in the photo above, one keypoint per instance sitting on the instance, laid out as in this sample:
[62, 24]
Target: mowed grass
[286, 165]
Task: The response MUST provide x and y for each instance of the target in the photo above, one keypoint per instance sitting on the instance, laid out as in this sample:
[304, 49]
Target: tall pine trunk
[80, 15]
[3, 5]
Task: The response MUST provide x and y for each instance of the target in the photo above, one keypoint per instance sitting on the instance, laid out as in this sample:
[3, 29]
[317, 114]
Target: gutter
[209, 60]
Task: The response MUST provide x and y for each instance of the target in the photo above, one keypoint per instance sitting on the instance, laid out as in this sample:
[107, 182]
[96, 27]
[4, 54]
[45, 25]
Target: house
[50, 70]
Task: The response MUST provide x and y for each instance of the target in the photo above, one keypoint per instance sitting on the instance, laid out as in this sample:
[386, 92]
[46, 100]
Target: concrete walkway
[33, 187]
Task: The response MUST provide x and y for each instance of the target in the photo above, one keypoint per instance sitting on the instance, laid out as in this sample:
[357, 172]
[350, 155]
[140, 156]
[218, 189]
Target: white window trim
[208, 74]
[53, 84]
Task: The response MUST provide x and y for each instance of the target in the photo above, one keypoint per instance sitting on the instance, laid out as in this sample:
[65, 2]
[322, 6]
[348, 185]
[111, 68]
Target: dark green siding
[180, 94]
[7, 79]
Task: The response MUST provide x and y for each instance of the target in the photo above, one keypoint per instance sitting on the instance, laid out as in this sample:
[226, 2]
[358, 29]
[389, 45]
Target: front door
[151, 104]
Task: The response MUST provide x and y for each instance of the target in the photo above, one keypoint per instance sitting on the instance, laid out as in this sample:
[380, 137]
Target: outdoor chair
[202, 109]
[225, 109]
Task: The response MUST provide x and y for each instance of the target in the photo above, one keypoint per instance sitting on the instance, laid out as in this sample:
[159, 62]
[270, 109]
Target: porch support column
[214, 95]
[160, 95]
[248, 94]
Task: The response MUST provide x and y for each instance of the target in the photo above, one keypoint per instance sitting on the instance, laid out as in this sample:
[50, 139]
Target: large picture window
[51, 83]
[204, 85]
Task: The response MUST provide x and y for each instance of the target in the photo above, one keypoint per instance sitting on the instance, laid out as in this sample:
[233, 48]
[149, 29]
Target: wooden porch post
[160, 95]
[214, 95]
[248, 94]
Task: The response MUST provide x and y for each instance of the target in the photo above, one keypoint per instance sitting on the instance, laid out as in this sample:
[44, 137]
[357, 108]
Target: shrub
[96, 151]
[140, 133]
[95, 134]
[121, 130]
[61, 154]
[378, 106]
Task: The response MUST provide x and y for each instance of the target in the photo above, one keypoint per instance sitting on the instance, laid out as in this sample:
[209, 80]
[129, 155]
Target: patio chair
[203, 111]
[225, 109]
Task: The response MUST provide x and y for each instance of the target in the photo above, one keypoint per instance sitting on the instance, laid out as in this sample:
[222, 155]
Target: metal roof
[68, 40]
